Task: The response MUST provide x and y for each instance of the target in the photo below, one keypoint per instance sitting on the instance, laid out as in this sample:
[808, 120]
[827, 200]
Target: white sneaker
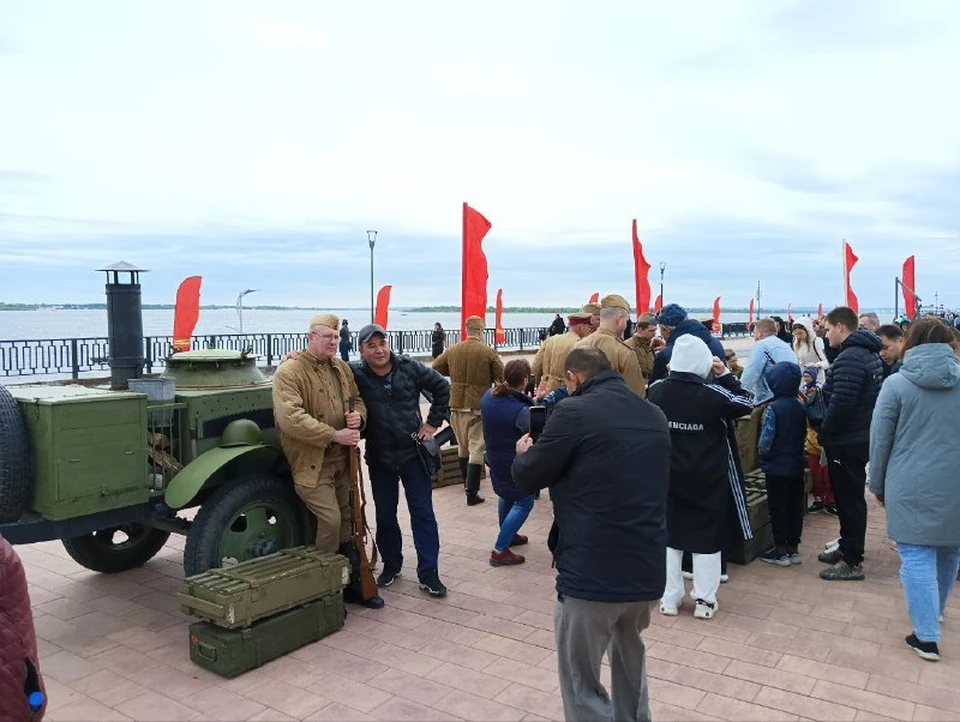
[832, 544]
[724, 578]
[668, 611]
[687, 575]
[705, 610]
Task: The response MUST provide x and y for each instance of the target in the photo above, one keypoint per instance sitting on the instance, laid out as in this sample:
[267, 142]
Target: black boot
[463, 469]
[472, 484]
[353, 592]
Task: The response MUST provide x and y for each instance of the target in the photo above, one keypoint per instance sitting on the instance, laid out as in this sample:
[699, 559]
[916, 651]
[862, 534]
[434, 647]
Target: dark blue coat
[851, 390]
[683, 328]
[605, 455]
[784, 428]
[505, 420]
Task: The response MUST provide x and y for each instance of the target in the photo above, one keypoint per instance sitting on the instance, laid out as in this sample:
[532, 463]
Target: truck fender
[184, 487]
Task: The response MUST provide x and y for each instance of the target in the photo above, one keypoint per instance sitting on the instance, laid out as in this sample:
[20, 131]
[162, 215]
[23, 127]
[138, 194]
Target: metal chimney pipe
[124, 324]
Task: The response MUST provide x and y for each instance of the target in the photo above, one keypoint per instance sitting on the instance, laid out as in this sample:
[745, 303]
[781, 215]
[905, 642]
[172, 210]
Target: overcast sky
[254, 143]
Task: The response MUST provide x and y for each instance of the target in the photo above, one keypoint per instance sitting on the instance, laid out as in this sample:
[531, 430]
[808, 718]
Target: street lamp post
[372, 238]
[663, 266]
[240, 305]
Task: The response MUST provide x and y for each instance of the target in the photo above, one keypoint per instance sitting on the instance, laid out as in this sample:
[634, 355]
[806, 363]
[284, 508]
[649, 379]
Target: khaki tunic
[620, 356]
[472, 367]
[310, 403]
[645, 355]
[550, 359]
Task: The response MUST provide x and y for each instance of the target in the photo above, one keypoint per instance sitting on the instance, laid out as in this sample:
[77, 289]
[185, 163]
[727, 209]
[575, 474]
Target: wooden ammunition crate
[230, 652]
[449, 473]
[240, 595]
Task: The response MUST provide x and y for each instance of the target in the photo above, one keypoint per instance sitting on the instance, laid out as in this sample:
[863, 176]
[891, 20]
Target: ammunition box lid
[73, 393]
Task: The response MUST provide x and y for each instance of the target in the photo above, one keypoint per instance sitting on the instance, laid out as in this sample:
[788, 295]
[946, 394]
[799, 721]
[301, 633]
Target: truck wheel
[116, 549]
[244, 519]
[16, 488]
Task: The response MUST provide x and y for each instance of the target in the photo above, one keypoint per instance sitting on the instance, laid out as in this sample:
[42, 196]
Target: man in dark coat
[558, 326]
[609, 536]
[851, 390]
[706, 484]
[391, 386]
[675, 324]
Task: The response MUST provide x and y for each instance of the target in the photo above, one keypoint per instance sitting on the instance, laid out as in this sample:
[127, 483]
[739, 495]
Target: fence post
[269, 349]
[74, 359]
[148, 353]
[400, 342]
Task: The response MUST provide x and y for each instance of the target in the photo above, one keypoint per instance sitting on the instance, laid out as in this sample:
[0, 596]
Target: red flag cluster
[641, 271]
[186, 312]
[909, 287]
[849, 261]
[380, 317]
[473, 300]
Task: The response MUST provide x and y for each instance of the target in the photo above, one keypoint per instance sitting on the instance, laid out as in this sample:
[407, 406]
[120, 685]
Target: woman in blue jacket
[505, 410]
[914, 458]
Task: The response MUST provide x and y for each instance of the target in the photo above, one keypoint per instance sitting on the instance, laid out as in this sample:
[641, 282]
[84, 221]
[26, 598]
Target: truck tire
[245, 519]
[100, 551]
[16, 477]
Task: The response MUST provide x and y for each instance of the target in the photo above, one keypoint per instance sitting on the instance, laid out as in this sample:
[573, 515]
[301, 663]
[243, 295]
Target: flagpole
[843, 271]
[758, 298]
[896, 298]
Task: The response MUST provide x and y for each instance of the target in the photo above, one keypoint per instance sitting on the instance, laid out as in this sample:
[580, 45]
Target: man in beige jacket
[645, 343]
[614, 311]
[473, 367]
[547, 367]
[317, 430]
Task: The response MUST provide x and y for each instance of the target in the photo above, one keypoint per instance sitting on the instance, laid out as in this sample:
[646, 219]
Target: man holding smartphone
[609, 535]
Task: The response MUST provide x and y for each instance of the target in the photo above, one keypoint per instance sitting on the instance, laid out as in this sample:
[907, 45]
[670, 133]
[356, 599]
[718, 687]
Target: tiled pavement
[784, 645]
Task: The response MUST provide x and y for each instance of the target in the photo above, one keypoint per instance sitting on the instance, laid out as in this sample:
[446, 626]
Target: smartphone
[538, 417]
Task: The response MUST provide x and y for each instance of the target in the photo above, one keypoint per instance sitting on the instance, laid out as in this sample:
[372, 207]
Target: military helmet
[242, 432]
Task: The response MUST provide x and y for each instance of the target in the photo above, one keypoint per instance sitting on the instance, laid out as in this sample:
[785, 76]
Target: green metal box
[240, 595]
[230, 652]
[89, 448]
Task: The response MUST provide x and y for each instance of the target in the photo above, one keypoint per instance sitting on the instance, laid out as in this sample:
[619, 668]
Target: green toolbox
[230, 652]
[240, 595]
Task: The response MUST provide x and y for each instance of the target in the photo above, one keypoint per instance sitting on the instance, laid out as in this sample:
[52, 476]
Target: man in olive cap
[318, 429]
[644, 342]
[594, 310]
[614, 311]
[547, 367]
[473, 367]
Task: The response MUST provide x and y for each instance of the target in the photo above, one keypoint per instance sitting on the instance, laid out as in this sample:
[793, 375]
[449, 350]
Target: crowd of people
[639, 453]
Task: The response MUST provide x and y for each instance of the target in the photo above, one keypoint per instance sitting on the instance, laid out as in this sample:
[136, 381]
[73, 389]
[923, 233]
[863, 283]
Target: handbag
[816, 408]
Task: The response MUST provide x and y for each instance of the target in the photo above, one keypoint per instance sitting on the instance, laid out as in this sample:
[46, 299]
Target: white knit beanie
[691, 355]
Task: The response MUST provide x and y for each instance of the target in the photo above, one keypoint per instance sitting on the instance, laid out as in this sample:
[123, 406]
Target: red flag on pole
[499, 334]
[750, 317]
[473, 300]
[849, 261]
[658, 304]
[595, 298]
[909, 287]
[186, 312]
[383, 307]
[641, 271]
[789, 313]
[820, 310]
[716, 315]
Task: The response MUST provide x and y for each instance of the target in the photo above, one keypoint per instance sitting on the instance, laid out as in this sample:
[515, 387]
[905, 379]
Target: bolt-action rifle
[358, 525]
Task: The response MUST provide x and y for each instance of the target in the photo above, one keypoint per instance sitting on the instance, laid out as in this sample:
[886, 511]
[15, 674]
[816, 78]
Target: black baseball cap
[369, 331]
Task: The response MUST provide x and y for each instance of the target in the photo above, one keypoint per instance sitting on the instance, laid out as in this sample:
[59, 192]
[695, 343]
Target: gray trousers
[585, 630]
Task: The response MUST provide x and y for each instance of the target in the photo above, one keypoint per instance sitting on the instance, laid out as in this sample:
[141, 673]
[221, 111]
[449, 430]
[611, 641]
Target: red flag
[186, 312]
[716, 315]
[473, 299]
[909, 287]
[849, 261]
[789, 313]
[383, 307]
[641, 271]
[658, 304]
[750, 317]
[595, 298]
[500, 335]
[820, 310]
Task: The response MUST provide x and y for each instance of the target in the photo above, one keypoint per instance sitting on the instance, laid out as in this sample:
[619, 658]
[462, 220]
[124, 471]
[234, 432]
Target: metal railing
[74, 357]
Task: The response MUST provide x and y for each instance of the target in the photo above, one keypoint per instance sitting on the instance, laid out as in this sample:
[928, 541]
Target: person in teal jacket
[914, 457]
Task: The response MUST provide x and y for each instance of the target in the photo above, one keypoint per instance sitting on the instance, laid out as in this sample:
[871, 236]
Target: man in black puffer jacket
[391, 387]
[853, 383]
[610, 544]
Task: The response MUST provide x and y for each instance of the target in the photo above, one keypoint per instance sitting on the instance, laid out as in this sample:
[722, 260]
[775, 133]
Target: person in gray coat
[914, 459]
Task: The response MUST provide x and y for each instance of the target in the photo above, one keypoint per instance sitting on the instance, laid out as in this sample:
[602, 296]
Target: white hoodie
[812, 354]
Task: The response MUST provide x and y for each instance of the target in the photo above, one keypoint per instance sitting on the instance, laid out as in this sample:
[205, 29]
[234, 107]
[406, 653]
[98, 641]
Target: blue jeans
[386, 495]
[512, 515]
[927, 574]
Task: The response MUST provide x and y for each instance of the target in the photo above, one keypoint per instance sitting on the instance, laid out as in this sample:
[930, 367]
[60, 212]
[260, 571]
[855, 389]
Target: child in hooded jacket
[819, 477]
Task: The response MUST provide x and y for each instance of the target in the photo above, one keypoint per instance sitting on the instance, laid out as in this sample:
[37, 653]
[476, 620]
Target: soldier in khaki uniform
[548, 365]
[613, 320]
[594, 310]
[643, 342]
[317, 432]
[473, 367]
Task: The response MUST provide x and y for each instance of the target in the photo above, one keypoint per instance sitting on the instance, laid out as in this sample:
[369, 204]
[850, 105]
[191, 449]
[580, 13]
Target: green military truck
[112, 473]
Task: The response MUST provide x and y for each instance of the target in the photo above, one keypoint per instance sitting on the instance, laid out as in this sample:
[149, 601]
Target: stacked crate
[264, 608]
[449, 473]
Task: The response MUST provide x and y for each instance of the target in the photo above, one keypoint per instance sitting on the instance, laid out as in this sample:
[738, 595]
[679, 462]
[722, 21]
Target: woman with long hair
[809, 347]
[914, 458]
[505, 410]
[437, 339]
